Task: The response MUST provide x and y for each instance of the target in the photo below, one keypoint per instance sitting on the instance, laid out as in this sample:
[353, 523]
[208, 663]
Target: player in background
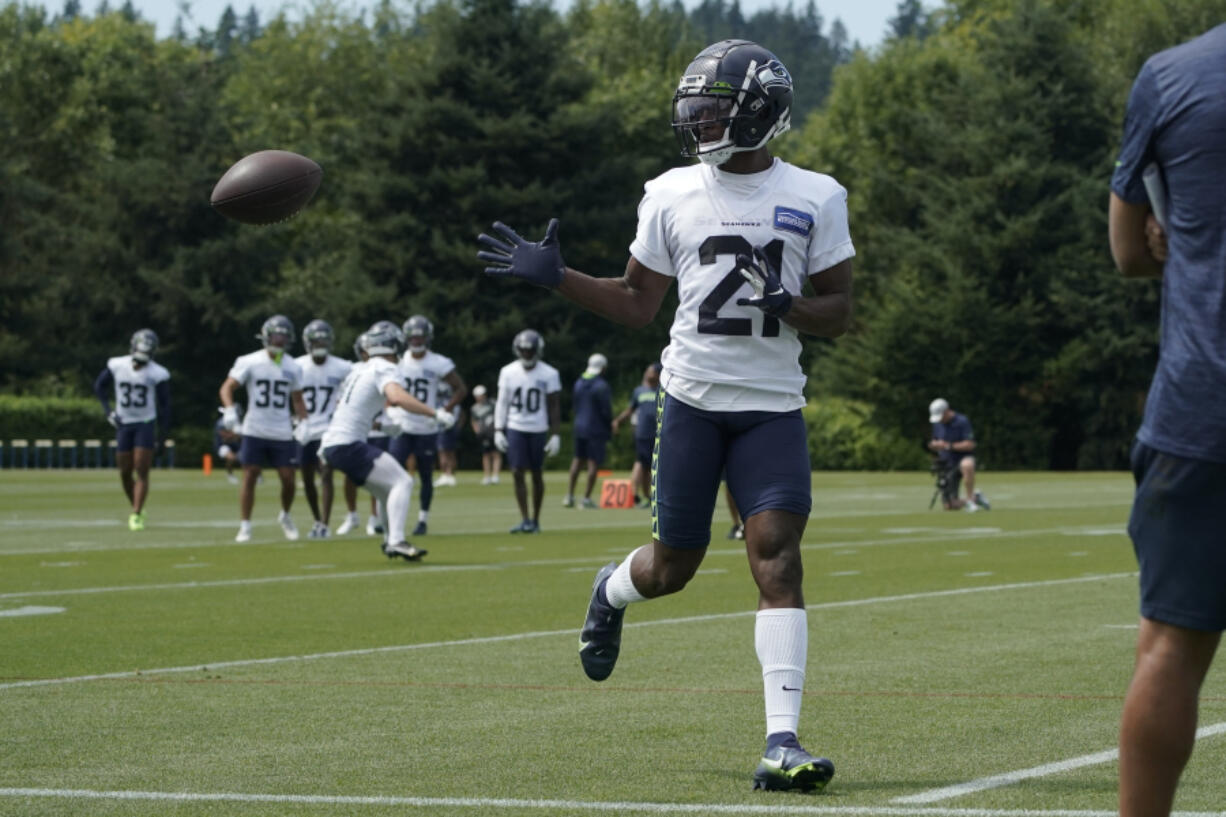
[141, 416]
[273, 382]
[322, 374]
[742, 233]
[527, 414]
[448, 439]
[372, 384]
[227, 443]
[352, 521]
[592, 400]
[482, 414]
[423, 371]
[642, 415]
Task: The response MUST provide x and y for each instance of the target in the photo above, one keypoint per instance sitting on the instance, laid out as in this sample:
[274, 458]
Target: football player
[226, 443]
[422, 371]
[526, 417]
[372, 384]
[141, 416]
[482, 415]
[273, 382]
[744, 235]
[322, 374]
[449, 439]
[642, 415]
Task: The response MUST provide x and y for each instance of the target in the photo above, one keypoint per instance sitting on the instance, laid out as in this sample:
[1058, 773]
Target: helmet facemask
[144, 344]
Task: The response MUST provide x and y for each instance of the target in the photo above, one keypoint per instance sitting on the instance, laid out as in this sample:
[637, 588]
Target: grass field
[959, 664]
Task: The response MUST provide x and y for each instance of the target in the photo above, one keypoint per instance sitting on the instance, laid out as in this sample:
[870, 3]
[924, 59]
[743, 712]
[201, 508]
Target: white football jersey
[269, 385]
[421, 378]
[361, 399]
[692, 223]
[321, 384]
[522, 393]
[135, 389]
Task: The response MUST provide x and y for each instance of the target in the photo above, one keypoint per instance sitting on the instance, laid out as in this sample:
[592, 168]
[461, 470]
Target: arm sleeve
[1136, 150]
[104, 387]
[162, 394]
[831, 234]
[650, 245]
[501, 406]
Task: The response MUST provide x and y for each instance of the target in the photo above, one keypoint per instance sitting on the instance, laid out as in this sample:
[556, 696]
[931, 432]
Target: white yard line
[961, 591]
[1009, 778]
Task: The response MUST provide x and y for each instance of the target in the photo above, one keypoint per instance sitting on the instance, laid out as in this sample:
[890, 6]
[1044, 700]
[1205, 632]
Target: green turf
[944, 647]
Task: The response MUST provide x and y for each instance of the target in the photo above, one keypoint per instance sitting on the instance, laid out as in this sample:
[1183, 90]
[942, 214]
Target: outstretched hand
[538, 262]
[768, 292]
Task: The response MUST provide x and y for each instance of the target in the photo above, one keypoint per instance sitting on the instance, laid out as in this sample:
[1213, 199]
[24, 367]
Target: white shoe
[232, 479]
[970, 506]
[373, 528]
[493, 480]
[351, 522]
[446, 479]
[244, 532]
[318, 531]
[287, 525]
[485, 480]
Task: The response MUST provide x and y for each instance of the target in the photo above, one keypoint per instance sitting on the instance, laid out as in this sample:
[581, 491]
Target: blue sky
[865, 19]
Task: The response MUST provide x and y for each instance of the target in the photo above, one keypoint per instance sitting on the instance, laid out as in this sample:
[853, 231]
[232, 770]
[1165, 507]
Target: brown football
[266, 187]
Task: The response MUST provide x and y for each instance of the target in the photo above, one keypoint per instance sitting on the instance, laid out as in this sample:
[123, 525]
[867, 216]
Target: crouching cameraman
[953, 441]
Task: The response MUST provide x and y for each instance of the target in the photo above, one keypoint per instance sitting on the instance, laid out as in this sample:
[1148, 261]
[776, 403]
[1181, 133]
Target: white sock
[244, 524]
[423, 516]
[620, 589]
[781, 637]
[394, 487]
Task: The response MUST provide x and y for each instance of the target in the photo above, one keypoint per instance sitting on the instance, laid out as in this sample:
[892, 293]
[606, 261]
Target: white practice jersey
[135, 389]
[692, 223]
[421, 378]
[321, 384]
[522, 393]
[362, 398]
[269, 385]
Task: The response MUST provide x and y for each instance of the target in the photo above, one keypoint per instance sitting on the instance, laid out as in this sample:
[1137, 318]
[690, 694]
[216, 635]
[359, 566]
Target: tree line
[975, 142]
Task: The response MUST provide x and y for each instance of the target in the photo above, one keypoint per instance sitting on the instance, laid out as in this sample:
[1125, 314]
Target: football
[266, 187]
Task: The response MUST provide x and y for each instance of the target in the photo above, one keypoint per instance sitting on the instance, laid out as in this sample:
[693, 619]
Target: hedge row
[841, 435]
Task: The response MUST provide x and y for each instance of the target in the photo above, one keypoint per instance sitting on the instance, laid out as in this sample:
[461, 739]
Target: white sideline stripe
[479, 803]
[1008, 778]
[493, 639]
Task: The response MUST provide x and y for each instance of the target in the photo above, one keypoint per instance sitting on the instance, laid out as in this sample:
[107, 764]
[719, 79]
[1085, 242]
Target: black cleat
[601, 637]
[405, 551]
[420, 530]
[737, 532]
[789, 767]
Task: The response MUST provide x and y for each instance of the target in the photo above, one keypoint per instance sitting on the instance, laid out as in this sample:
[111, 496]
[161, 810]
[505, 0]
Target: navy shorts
[421, 446]
[487, 445]
[590, 448]
[355, 460]
[526, 449]
[135, 435]
[380, 443]
[1178, 530]
[765, 453]
[643, 448]
[260, 452]
[310, 453]
[448, 440]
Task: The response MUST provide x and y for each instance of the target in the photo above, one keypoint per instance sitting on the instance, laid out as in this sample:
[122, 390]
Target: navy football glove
[768, 292]
[538, 262]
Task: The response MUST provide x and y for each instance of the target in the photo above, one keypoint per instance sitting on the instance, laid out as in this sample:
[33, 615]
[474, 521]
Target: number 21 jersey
[692, 223]
[268, 385]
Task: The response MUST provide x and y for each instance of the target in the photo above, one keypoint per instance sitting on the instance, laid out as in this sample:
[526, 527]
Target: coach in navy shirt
[593, 403]
[953, 440]
[1176, 122]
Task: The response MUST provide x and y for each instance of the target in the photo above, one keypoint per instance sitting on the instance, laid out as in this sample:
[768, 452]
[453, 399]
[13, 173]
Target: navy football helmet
[359, 353]
[318, 338]
[277, 333]
[143, 344]
[383, 338]
[735, 96]
[418, 333]
[528, 347]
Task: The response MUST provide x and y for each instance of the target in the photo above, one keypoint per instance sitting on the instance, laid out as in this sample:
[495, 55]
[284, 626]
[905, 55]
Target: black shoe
[982, 501]
[523, 527]
[405, 551]
[737, 532]
[788, 767]
[420, 530]
[601, 637]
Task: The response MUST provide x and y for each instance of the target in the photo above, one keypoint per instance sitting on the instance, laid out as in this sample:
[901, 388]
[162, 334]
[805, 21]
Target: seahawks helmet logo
[774, 75]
